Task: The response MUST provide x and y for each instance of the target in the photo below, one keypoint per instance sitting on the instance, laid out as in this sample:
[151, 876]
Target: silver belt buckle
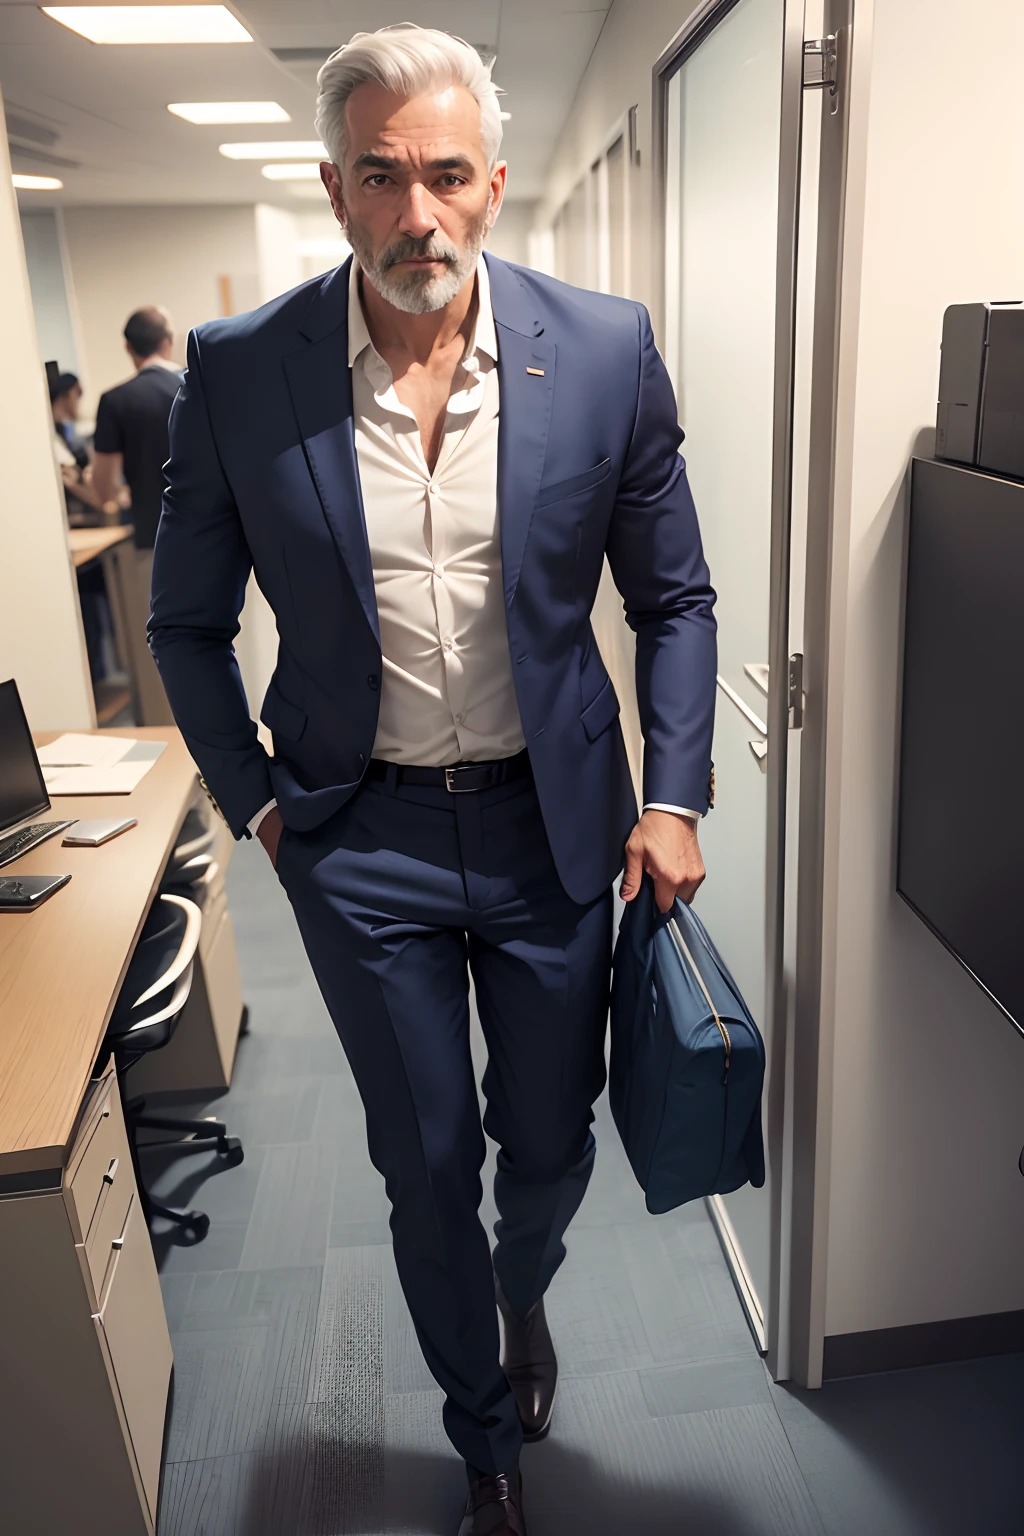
[451, 784]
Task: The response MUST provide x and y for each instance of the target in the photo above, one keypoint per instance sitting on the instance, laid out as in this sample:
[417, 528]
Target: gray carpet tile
[291, 1212]
[702, 1384]
[728, 1472]
[275, 1116]
[931, 1452]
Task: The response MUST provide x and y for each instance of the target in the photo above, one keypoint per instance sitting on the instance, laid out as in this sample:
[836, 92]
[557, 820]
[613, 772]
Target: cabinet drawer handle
[108, 1177]
[117, 1244]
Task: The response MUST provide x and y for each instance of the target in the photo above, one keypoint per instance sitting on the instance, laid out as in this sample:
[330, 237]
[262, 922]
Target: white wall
[927, 1205]
[618, 76]
[279, 266]
[125, 257]
[510, 236]
[41, 641]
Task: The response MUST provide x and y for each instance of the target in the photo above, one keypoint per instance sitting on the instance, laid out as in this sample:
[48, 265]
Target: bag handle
[681, 945]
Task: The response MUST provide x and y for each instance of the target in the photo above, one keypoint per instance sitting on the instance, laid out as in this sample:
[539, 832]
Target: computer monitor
[961, 833]
[22, 789]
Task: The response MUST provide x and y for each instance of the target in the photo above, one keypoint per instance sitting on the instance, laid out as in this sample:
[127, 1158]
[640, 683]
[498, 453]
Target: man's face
[415, 196]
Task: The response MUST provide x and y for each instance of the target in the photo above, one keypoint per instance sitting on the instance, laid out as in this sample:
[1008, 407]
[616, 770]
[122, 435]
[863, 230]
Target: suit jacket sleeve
[656, 559]
[201, 565]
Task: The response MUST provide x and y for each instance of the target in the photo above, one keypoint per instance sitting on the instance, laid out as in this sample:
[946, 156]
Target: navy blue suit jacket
[263, 475]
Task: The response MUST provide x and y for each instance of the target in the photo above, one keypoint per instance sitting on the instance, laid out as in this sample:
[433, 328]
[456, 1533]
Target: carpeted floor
[302, 1406]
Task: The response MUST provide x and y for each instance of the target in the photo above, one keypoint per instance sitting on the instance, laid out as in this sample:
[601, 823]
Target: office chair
[151, 1001]
[189, 865]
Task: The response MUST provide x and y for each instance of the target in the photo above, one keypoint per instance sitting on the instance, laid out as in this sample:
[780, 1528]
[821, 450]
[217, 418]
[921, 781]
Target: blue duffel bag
[687, 1060]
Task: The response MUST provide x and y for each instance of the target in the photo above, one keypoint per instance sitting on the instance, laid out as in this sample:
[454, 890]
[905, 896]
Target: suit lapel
[320, 384]
[524, 417]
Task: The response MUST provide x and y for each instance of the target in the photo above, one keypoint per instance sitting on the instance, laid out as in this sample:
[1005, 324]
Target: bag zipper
[680, 943]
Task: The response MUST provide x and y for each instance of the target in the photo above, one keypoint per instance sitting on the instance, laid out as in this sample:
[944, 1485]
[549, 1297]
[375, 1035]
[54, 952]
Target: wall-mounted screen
[961, 830]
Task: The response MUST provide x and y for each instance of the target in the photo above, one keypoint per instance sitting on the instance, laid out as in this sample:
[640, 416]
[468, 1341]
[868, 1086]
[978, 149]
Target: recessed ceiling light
[37, 183]
[229, 111]
[280, 149]
[281, 172]
[150, 23]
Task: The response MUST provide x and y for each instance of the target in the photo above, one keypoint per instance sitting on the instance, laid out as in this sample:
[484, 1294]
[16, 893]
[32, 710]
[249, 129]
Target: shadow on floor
[175, 1178]
[314, 1486]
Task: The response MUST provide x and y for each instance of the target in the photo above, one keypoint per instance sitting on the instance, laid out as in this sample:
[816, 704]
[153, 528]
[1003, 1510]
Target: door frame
[798, 1111]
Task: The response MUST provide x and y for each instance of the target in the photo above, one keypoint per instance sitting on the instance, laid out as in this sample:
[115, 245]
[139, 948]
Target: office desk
[85, 1356]
[88, 544]
[113, 547]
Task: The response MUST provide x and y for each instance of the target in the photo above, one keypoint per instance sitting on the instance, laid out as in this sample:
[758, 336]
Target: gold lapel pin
[538, 371]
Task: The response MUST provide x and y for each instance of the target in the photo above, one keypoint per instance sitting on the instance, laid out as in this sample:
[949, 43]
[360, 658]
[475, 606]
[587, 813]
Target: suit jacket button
[373, 681]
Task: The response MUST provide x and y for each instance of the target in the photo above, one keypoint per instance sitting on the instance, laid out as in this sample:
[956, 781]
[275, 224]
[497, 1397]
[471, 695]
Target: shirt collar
[483, 339]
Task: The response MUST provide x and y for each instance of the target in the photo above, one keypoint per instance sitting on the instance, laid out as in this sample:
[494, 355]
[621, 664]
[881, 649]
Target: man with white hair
[426, 456]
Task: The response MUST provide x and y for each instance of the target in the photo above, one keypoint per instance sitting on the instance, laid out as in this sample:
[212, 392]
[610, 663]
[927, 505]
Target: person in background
[84, 506]
[83, 501]
[131, 445]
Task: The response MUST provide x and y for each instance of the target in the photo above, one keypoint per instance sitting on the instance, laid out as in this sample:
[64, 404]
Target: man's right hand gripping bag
[687, 1060]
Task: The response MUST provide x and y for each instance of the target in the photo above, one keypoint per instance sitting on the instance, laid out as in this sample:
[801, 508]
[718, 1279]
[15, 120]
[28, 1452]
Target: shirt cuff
[254, 824]
[677, 810]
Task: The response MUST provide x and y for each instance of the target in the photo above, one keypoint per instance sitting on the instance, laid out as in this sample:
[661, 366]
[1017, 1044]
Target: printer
[981, 387]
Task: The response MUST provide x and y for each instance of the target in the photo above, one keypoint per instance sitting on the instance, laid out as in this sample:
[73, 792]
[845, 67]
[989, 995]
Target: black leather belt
[459, 779]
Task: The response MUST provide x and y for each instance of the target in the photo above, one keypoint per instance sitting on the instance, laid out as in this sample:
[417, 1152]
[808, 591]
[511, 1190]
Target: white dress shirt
[447, 694]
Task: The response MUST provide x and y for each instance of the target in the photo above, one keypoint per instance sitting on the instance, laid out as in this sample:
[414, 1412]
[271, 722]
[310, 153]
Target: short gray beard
[418, 293]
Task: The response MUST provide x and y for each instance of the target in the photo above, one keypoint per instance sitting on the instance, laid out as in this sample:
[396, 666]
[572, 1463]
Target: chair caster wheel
[198, 1224]
[231, 1151]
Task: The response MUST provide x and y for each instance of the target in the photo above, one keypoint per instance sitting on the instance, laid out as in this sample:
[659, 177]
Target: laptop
[23, 795]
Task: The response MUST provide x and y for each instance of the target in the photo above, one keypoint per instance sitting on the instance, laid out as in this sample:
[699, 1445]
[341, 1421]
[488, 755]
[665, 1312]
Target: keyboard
[14, 844]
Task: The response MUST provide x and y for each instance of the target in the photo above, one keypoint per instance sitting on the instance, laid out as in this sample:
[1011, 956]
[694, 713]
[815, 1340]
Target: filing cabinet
[85, 1355]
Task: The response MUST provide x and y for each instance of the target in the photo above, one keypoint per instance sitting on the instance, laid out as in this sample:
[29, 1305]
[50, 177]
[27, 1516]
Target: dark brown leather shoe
[529, 1362]
[495, 1506]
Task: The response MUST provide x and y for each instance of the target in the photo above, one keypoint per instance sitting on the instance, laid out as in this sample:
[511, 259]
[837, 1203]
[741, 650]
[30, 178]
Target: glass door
[729, 295]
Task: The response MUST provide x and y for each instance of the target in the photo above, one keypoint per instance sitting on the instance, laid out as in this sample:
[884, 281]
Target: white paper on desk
[78, 751]
[108, 778]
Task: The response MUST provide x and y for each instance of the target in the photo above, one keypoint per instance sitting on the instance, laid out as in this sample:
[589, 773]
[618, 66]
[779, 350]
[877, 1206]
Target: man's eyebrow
[368, 160]
[375, 162]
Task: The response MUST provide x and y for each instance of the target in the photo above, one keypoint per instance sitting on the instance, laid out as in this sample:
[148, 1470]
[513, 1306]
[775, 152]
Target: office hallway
[302, 1406]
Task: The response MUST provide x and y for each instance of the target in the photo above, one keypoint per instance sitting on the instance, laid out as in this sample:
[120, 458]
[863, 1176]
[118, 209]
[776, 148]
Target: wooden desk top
[61, 967]
[86, 543]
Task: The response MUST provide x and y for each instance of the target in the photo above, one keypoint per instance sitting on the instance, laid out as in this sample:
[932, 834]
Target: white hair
[407, 60]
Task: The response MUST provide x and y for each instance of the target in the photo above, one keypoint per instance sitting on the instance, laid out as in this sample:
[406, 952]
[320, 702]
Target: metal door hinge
[796, 691]
[821, 64]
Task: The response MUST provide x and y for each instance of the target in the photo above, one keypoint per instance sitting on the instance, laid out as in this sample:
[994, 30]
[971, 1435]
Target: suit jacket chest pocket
[574, 485]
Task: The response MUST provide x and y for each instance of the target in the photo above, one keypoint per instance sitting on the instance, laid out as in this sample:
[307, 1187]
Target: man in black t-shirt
[131, 443]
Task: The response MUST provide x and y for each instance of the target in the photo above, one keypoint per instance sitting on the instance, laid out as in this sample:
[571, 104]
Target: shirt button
[433, 488]
[373, 681]
[448, 644]
[459, 719]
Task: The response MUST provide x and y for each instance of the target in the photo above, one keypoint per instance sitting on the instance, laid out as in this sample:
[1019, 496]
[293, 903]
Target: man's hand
[269, 833]
[664, 846]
